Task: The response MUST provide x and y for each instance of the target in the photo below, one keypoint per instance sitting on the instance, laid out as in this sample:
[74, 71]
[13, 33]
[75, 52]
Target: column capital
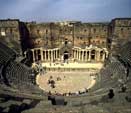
[32, 49]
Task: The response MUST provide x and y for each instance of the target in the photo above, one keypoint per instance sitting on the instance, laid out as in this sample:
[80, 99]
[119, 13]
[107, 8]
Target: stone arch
[93, 54]
[101, 54]
[29, 55]
[66, 55]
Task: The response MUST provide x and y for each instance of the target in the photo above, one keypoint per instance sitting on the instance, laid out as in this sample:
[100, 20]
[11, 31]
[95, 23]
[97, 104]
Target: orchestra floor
[66, 82]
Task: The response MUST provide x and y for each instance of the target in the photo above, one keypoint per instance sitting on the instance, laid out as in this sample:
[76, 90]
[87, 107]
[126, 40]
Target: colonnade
[40, 54]
[90, 54]
[77, 54]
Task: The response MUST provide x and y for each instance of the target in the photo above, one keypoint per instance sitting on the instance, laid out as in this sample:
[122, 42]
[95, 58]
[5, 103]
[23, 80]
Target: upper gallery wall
[25, 35]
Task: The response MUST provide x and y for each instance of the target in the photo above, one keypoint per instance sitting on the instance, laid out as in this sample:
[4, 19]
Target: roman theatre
[67, 55]
[68, 69]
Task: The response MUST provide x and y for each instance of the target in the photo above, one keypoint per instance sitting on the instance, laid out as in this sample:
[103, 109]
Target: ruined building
[70, 41]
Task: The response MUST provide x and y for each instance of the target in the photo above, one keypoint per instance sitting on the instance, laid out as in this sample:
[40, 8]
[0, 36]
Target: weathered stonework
[10, 33]
[119, 33]
[38, 40]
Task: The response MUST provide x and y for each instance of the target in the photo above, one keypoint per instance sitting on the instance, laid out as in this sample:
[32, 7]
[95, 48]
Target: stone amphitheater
[65, 67]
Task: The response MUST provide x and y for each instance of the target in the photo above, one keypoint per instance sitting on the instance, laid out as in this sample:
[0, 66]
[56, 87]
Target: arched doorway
[29, 55]
[93, 54]
[101, 55]
[66, 56]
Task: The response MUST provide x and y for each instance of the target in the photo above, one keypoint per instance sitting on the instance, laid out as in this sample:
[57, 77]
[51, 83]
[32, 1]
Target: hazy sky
[59, 10]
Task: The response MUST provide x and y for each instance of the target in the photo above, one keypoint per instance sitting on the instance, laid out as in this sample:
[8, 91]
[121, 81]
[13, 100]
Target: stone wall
[79, 34]
[28, 35]
[10, 34]
[119, 33]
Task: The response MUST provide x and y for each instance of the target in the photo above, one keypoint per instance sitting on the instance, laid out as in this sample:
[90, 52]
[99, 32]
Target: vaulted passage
[93, 55]
[66, 55]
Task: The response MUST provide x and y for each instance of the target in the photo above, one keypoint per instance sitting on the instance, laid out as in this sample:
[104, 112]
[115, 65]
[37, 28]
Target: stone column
[41, 50]
[59, 53]
[74, 54]
[56, 54]
[78, 54]
[37, 54]
[45, 55]
[86, 56]
[51, 55]
[33, 55]
[36, 57]
[48, 55]
[98, 55]
[103, 58]
[106, 53]
[82, 55]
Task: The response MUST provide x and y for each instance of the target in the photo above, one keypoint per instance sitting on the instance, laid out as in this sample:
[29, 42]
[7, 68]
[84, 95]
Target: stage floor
[73, 65]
